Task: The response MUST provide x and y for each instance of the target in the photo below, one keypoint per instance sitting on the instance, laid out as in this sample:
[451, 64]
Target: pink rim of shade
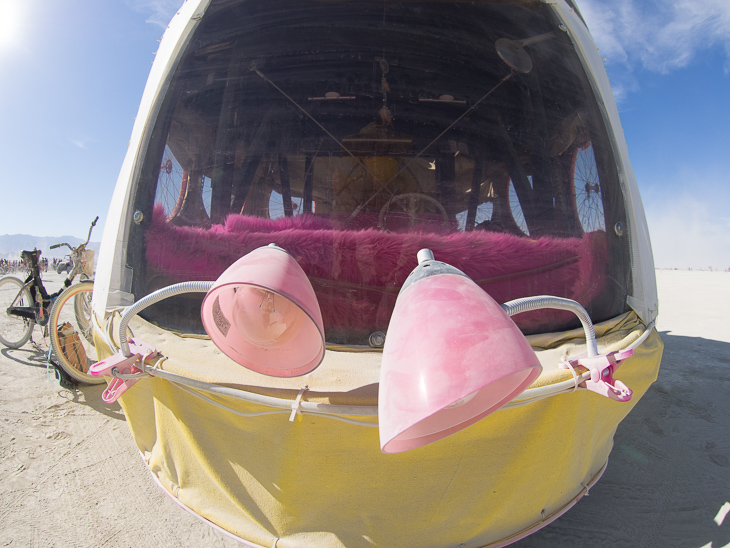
[236, 314]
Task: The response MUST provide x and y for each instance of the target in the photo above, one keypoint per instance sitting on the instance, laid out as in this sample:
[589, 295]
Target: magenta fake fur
[357, 274]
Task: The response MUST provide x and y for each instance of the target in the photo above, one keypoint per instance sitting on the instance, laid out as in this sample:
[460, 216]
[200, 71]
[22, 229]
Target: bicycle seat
[31, 256]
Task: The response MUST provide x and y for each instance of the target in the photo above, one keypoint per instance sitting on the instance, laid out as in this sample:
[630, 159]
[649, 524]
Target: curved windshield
[353, 134]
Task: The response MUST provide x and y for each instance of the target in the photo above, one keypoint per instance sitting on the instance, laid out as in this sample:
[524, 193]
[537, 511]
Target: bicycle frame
[42, 300]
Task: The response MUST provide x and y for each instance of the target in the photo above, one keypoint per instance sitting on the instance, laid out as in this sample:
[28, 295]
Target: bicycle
[65, 315]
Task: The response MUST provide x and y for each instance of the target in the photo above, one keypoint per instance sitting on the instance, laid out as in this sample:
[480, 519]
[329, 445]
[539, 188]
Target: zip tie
[575, 376]
[296, 404]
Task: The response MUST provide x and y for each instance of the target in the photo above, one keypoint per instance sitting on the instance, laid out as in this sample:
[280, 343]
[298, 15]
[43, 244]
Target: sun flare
[10, 23]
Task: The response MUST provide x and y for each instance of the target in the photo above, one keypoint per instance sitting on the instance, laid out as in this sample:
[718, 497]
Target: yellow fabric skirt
[320, 482]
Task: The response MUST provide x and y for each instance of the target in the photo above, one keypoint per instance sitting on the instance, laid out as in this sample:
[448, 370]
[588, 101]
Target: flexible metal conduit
[152, 298]
[516, 306]
[527, 304]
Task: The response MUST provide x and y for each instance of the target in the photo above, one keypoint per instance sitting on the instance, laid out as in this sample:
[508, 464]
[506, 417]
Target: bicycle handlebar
[93, 224]
[81, 246]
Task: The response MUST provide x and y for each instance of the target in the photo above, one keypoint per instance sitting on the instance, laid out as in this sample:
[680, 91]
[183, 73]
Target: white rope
[336, 412]
[273, 412]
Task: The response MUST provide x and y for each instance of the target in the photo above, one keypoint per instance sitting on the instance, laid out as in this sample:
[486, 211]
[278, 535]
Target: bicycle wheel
[587, 199]
[14, 331]
[71, 329]
[184, 196]
[82, 313]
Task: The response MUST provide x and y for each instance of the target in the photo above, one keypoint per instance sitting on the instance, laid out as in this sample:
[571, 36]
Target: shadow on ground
[669, 472]
[89, 395]
[26, 355]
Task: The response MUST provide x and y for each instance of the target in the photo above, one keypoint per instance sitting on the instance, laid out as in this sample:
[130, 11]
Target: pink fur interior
[357, 274]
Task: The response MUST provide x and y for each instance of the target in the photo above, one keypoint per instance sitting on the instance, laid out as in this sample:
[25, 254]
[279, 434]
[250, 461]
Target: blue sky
[72, 74]
[669, 66]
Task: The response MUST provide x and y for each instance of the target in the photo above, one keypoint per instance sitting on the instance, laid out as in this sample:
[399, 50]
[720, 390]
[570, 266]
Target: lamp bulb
[264, 318]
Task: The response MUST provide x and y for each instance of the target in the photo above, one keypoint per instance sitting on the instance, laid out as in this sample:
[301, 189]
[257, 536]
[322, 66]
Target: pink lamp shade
[262, 313]
[451, 357]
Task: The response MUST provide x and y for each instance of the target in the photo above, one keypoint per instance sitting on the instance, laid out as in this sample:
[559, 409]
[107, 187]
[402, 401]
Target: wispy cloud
[159, 12]
[78, 143]
[658, 35]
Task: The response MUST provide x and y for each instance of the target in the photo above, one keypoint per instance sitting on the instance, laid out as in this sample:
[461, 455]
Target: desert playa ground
[71, 476]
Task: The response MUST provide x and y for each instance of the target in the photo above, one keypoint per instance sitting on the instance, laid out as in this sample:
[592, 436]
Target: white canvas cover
[492, 173]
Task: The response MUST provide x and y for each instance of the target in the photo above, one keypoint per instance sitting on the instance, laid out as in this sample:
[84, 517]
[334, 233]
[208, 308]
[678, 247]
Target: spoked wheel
[515, 208]
[171, 186]
[14, 331]
[184, 196]
[586, 196]
[71, 332]
[413, 207]
[82, 314]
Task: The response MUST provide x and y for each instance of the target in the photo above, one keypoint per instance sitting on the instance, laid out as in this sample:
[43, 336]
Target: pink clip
[118, 364]
[602, 368]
